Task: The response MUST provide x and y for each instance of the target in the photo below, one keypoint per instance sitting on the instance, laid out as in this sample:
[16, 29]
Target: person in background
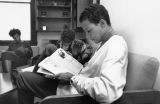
[103, 78]
[17, 54]
[75, 47]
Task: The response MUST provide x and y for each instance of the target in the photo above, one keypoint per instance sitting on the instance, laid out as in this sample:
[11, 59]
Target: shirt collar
[106, 37]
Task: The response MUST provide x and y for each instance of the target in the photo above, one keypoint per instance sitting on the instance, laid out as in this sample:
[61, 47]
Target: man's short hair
[12, 32]
[94, 13]
[68, 36]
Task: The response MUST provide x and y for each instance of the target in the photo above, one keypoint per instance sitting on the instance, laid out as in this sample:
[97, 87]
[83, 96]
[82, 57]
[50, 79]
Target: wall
[43, 38]
[139, 22]
[81, 5]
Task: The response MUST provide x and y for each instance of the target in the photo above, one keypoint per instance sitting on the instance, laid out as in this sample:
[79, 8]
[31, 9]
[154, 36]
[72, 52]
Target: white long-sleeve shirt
[105, 75]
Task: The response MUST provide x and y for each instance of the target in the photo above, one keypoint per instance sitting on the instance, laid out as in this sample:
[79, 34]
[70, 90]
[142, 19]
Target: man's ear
[102, 23]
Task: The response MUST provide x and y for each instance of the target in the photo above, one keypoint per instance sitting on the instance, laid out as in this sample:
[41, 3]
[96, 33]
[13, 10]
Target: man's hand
[64, 78]
[50, 76]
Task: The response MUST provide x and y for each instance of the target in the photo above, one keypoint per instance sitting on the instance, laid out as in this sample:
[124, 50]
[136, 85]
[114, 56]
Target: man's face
[92, 30]
[16, 37]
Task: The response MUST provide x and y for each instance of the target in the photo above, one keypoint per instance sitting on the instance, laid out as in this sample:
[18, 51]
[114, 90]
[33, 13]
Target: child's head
[67, 37]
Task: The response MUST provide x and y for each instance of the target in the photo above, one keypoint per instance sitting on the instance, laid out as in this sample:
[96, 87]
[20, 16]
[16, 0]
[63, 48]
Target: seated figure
[75, 47]
[17, 54]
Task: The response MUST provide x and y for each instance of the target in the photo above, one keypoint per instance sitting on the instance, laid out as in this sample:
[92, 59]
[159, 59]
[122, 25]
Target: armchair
[141, 76]
[35, 50]
[5, 81]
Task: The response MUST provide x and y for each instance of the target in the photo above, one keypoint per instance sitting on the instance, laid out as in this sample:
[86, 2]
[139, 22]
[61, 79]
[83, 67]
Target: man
[17, 54]
[104, 76]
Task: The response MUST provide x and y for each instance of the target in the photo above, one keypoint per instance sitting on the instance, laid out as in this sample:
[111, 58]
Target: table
[5, 83]
[1, 51]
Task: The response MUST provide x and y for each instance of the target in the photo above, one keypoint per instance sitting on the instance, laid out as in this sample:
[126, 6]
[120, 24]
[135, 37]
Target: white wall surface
[139, 23]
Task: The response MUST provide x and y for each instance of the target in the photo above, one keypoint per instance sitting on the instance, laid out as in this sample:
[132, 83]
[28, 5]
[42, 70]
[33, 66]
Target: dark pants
[123, 100]
[32, 84]
[14, 59]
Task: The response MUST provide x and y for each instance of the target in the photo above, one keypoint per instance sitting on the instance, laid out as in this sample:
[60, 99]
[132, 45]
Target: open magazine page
[41, 70]
[60, 62]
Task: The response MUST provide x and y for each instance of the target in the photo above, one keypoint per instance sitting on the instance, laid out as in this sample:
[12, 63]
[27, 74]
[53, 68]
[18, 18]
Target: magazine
[60, 61]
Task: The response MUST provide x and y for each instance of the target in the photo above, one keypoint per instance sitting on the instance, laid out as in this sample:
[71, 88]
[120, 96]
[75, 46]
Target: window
[16, 14]
[17, 1]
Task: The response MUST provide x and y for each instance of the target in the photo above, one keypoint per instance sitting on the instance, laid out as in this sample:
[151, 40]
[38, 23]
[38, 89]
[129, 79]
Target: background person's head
[95, 22]
[15, 34]
[67, 37]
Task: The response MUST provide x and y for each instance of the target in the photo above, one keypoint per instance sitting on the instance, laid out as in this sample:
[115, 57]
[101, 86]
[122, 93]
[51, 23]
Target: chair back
[142, 72]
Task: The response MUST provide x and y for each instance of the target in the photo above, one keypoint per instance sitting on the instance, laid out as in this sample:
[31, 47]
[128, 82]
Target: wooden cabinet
[53, 15]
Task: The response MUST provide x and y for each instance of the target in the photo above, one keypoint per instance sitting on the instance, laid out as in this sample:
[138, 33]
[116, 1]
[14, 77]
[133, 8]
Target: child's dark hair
[94, 13]
[68, 36]
[12, 32]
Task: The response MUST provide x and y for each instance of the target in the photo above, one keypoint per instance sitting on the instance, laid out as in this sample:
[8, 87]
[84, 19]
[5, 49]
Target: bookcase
[53, 15]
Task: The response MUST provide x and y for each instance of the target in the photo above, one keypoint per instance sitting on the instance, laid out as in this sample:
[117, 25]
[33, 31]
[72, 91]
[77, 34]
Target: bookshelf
[52, 15]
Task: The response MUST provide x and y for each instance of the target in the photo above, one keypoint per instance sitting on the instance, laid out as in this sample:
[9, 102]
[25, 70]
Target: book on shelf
[60, 61]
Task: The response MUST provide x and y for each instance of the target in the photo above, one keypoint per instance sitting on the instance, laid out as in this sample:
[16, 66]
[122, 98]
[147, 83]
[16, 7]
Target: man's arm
[28, 50]
[108, 86]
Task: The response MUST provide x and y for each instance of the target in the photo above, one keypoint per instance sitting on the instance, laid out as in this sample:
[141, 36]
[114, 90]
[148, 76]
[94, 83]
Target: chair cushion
[142, 71]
